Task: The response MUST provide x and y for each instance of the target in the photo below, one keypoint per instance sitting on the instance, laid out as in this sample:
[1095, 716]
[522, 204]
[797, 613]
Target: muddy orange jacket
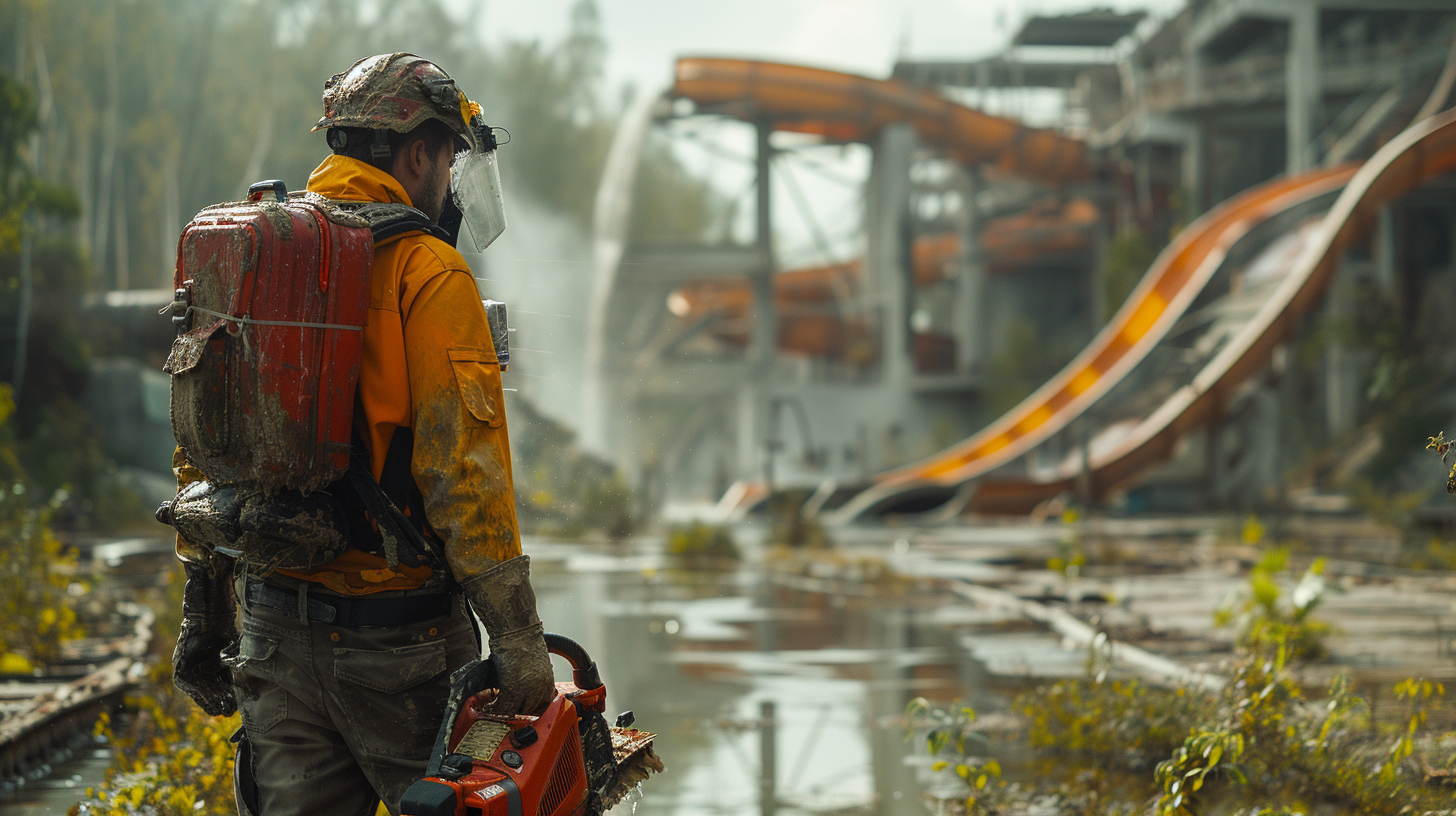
[429, 366]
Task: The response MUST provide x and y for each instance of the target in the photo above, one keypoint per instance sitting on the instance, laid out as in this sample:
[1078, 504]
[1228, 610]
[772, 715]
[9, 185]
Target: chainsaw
[565, 761]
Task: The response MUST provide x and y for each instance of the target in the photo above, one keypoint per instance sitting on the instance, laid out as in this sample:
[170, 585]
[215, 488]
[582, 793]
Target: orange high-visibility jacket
[429, 366]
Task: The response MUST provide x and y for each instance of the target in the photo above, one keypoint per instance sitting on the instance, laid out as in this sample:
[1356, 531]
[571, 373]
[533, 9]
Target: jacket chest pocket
[477, 375]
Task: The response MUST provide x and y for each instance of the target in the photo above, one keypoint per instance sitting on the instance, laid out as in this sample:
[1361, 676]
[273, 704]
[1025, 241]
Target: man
[342, 671]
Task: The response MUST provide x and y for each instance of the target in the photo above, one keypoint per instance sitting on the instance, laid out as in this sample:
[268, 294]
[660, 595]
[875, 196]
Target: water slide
[1288, 280]
[1237, 334]
[848, 108]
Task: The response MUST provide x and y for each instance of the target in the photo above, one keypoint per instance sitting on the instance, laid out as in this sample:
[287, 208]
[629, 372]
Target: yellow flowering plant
[170, 759]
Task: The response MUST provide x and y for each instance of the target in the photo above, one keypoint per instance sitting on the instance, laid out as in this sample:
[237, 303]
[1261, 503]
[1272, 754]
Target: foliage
[1202, 753]
[1127, 258]
[1267, 618]
[1071, 556]
[1027, 359]
[1262, 742]
[50, 438]
[161, 107]
[790, 526]
[702, 545]
[37, 574]
[951, 735]
[561, 489]
[1108, 723]
[1442, 447]
[170, 758]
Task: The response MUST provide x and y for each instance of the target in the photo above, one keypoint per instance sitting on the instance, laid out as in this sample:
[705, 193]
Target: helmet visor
[476, 185]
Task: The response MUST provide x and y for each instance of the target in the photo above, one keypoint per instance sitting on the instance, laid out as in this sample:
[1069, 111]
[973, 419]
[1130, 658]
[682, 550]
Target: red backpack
[271, 301]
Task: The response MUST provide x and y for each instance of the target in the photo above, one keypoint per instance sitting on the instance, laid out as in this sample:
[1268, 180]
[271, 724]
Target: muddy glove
[207, 629]
[503, 599]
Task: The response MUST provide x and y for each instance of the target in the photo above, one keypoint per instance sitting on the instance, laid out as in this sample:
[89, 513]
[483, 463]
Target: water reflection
[695, 654]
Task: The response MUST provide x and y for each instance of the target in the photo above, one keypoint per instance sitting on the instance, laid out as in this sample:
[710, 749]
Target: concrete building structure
[945, 324]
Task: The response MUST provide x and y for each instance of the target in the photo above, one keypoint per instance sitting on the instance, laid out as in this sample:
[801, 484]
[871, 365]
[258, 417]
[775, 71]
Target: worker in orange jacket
[342, 671]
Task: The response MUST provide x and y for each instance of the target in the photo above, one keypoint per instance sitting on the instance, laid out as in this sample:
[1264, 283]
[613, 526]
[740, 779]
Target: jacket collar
[346, 179]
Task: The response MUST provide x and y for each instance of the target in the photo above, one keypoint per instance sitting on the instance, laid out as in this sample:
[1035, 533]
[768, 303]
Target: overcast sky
[864, 36]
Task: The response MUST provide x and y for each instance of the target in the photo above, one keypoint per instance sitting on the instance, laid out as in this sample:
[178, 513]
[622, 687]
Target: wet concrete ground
[838, 644]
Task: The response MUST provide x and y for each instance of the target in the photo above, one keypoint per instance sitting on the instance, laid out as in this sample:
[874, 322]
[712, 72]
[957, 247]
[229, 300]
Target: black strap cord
[401, 537]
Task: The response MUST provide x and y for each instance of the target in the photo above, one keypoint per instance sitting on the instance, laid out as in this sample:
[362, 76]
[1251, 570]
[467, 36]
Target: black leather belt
[354, 612]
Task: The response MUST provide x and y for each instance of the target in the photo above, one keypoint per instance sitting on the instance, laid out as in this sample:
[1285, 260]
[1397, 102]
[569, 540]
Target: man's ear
[417, 158]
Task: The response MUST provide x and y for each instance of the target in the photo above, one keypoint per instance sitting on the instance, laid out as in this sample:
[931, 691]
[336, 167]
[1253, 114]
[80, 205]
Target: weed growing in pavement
[1262, 745]
[1265, 615]
[964, 773]
[1071, 556]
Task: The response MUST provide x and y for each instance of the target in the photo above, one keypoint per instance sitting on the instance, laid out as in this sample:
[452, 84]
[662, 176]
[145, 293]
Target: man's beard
[432, 195]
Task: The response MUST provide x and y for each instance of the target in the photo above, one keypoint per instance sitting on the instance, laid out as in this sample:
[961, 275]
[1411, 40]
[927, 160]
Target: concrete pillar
[970, 292]
[765, 328]
[886, 199]
[1385, 249]
[1193, 72]
[1192, 172]
[749, 447]
[1302, 84]
[1142, 173]
[1215, 473]
[753, 394]
[1342, 375]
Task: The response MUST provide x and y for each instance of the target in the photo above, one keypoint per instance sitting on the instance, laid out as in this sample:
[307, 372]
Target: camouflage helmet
[395, 92]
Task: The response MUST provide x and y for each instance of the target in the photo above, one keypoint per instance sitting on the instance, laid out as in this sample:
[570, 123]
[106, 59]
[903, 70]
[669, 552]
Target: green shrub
[701, 545]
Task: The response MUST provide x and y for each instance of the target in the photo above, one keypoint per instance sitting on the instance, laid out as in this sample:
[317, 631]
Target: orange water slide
[849, 108]
[1422, 152]
[1175, 278]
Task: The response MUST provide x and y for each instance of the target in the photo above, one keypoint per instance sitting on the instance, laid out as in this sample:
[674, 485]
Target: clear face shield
[475, 183]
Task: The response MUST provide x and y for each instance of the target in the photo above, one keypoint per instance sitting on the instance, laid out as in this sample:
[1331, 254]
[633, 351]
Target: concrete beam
[673, 265]
[1220, 15]
[999, 72]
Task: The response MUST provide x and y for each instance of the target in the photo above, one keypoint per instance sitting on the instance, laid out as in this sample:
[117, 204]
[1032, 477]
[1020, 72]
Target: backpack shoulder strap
[389, 220]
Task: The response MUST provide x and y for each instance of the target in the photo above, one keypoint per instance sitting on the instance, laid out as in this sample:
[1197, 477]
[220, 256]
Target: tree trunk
[170, 218]
[122, 243]
[107, 172]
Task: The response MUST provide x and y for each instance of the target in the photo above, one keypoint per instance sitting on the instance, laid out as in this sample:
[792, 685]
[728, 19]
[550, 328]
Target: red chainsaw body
[549, 773]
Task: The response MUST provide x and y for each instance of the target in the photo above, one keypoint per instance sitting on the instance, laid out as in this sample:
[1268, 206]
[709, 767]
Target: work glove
[504, 601]
[207, 629]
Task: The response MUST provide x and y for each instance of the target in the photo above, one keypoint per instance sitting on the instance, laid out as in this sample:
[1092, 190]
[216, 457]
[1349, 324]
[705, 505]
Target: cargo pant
[341, 718]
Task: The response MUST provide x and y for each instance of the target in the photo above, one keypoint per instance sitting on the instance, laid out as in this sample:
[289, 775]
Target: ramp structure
[1206, 318]
[849, 108]
[1119, 451]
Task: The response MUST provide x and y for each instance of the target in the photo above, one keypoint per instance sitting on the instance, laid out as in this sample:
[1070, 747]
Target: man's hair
[358, 143]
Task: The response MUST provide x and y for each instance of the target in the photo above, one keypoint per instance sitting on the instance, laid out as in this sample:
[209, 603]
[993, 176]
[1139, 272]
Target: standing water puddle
[697, 655]
[810, 669]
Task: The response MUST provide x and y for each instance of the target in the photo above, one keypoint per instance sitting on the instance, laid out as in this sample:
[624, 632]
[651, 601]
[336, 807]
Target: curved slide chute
[1422, 152]
[850, 108]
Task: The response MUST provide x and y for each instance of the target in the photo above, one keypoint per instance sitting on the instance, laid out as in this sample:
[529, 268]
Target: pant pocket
[390, 670]
[396, 696]
[262, 701]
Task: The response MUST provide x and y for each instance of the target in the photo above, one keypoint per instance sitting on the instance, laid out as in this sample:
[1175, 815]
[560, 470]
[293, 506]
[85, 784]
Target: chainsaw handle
[584, 672]
[467, 681]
